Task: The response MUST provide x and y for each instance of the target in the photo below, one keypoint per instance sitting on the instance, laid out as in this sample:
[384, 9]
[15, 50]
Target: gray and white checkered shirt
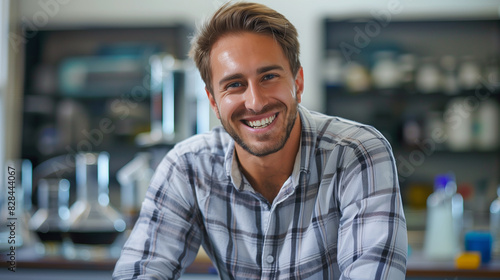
[339, 216]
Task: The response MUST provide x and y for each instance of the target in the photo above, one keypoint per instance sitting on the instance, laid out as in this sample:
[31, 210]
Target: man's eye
[234, 85]
[269, 77]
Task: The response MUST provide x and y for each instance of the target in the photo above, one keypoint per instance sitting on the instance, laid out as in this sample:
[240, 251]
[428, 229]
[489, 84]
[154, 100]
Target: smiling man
[279, 192]
[256, 96]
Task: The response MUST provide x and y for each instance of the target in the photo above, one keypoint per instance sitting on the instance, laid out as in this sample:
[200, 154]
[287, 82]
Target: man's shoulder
[334, 130]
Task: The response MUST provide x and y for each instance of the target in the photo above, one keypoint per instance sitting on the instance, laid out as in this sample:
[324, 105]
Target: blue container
[481, 242]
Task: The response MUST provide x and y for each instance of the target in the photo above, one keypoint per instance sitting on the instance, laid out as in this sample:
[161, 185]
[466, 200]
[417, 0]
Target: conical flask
[50, 221]
[92, 219]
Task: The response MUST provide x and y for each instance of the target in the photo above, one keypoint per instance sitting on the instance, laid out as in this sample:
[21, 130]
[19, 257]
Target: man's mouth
[262, 122]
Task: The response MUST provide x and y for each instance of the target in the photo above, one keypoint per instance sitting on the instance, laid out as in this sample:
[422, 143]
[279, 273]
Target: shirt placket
[271, 233]
[269, 257]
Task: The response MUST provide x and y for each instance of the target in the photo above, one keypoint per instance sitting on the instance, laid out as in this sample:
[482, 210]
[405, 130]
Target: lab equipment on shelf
[93, 221]
[50, 221]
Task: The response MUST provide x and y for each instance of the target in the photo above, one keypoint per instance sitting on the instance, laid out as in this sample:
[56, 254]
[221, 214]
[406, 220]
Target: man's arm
[372, 240]
[166, 237]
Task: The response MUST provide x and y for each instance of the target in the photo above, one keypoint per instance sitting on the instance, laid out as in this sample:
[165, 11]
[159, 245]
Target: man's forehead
[240, 48]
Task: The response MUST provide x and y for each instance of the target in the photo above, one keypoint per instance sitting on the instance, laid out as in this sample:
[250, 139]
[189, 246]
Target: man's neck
[267, 174]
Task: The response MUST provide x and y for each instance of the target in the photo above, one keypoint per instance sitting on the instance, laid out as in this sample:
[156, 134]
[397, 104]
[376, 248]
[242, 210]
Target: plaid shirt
[339, 216]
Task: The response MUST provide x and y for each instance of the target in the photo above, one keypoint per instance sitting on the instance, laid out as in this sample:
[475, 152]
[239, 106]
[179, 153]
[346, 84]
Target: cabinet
[432, 88]
[87, 90]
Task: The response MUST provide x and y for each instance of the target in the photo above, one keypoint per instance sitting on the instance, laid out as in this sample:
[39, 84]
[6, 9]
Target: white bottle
[333, 69]
[357, 78]
[469, 73]
[487, 123]
[444, 219]
[386, 73]
[429, 77]
[459, 121]
[495, 224]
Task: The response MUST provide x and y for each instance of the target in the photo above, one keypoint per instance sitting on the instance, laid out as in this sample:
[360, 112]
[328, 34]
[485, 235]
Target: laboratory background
[93, 93]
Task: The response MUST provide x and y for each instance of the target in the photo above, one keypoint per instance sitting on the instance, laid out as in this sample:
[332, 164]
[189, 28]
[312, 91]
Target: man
[279, 192]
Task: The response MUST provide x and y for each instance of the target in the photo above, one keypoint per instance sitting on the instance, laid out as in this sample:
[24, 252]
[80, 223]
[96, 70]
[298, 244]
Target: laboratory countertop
[418, 268]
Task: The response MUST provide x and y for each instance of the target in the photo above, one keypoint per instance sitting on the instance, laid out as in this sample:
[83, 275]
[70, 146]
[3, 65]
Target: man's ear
[213, 104]
[299, 84]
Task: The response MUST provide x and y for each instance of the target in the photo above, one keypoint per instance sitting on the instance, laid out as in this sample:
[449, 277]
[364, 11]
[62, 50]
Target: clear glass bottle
[428, 77]
[450, 79]
[408, 67]
[93, 224]
[356, 77]
[50, 220]
[386, 72]
[495, 224]
[469, 73]
[332, 69]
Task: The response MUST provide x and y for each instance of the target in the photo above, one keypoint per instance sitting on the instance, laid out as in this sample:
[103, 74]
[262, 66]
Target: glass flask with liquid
[50, 221]
[93, 224]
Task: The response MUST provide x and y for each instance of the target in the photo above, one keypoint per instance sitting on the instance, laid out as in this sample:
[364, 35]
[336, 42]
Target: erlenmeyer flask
[50, 221]
[93, 222]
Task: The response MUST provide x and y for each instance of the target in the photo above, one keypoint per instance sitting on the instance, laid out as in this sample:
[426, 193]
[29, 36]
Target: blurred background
[94, 93]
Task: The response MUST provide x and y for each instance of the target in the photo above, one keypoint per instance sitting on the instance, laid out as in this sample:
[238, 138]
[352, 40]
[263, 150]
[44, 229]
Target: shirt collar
[241, 183]
[308, 139]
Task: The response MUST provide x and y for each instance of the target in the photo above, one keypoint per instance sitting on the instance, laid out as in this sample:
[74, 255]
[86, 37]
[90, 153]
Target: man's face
[255, 93]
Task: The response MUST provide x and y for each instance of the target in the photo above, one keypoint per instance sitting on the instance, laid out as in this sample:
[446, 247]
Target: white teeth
[261, 123]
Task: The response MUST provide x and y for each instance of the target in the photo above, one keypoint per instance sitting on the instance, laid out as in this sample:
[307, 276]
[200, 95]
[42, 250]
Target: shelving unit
[88, 89]
[406, 112]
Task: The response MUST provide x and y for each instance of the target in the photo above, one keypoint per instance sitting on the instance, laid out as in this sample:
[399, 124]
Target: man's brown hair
[244, 17]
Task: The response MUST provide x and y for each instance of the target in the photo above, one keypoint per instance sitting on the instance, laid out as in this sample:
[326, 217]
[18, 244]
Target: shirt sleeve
[167, 235]
[372, 233]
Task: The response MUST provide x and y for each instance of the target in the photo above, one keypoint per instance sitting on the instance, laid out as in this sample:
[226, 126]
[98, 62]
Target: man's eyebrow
[229, 78]
[269, 68]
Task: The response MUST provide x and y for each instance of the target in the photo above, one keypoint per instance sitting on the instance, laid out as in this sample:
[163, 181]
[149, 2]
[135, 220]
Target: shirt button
[270, 259]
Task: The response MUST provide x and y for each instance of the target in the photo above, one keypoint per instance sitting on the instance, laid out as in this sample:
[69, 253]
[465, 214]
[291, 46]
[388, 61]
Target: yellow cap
[468, 260]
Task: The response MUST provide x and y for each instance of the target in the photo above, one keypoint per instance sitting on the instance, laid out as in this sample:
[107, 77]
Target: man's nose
[255, 98]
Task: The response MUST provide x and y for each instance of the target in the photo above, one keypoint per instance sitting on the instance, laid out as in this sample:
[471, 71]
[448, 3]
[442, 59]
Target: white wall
[4, 31]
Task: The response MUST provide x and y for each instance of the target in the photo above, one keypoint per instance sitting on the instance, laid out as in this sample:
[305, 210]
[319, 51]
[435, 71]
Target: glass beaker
[93, 224]
[134, 180]
[51, 220]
